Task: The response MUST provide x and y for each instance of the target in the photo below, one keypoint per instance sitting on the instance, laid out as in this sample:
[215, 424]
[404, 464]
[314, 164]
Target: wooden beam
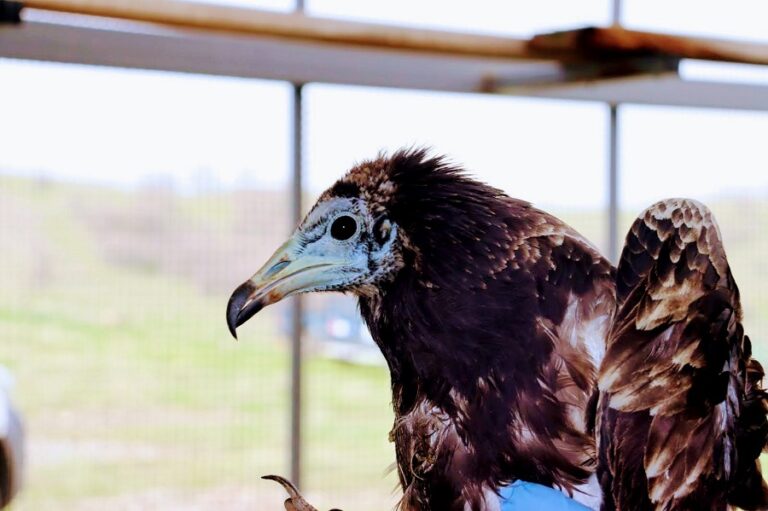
[589, 65]
[73, 39]
[567, 46]
[597, 43]
[293, 26]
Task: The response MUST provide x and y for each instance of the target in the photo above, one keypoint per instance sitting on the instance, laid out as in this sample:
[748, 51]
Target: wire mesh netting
[132, 203]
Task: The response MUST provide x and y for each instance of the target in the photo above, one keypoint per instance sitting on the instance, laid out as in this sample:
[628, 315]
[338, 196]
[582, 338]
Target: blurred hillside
[135, 396]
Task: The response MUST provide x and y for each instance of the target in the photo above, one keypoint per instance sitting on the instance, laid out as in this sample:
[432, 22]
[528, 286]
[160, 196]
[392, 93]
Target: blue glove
[524, 496]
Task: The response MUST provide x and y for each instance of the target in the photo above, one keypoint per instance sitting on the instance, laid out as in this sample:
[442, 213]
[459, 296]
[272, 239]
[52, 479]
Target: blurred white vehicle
[335, 329]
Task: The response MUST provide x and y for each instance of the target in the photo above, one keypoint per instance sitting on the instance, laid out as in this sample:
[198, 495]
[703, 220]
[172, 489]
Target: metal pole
[296, 310]
[616, 12]
[613, 162]
[613, 184]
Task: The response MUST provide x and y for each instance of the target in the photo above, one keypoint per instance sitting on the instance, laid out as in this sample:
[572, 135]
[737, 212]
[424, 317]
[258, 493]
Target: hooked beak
[286, 273]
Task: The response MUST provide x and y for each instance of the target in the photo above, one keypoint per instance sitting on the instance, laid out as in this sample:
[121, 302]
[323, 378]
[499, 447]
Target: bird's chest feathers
[470, 388]
[434, 462]
[454, 334]
[425, 437]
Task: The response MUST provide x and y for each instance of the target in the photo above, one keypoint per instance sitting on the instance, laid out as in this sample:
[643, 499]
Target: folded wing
[681, 413]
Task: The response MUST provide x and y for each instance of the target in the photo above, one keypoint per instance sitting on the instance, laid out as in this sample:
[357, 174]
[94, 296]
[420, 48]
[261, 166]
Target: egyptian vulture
[518, 354]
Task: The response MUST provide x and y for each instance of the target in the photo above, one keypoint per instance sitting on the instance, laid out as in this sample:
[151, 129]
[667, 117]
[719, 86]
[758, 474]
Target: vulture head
[382, 216]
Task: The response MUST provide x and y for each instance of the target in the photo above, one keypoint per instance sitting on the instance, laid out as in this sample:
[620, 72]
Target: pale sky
[127, 127]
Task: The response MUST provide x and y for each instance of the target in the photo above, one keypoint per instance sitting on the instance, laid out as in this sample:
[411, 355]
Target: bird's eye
[343, 228]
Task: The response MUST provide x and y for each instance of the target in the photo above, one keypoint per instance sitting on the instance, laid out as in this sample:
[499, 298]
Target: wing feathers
[674, 382]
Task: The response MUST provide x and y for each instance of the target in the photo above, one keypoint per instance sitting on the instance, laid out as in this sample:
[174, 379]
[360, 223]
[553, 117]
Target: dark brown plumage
[491, 315]
[485, 330]
[682, 415]
[493, 318]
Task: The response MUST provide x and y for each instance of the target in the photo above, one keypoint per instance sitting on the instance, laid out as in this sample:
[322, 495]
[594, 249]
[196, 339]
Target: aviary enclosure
[154, 153]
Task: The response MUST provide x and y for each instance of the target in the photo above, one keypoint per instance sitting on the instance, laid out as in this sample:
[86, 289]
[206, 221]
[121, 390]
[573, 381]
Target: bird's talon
[295, 502]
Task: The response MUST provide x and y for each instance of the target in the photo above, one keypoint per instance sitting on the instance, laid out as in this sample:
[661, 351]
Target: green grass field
[135, 396]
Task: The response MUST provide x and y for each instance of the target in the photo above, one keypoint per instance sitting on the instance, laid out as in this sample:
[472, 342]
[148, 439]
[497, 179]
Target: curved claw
[296, 502]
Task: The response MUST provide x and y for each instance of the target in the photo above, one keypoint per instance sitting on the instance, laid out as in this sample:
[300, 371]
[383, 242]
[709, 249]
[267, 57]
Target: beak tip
[241, 307]
[235, 306]
[232, 322]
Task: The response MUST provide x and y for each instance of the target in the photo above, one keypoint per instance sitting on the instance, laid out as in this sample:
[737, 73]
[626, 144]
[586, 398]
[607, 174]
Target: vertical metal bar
[613, 184]
[296, 310]
[297, 313]
[613, 161]
[616, 12]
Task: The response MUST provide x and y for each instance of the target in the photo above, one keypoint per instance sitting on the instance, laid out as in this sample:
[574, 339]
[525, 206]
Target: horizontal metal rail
[611, 64]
